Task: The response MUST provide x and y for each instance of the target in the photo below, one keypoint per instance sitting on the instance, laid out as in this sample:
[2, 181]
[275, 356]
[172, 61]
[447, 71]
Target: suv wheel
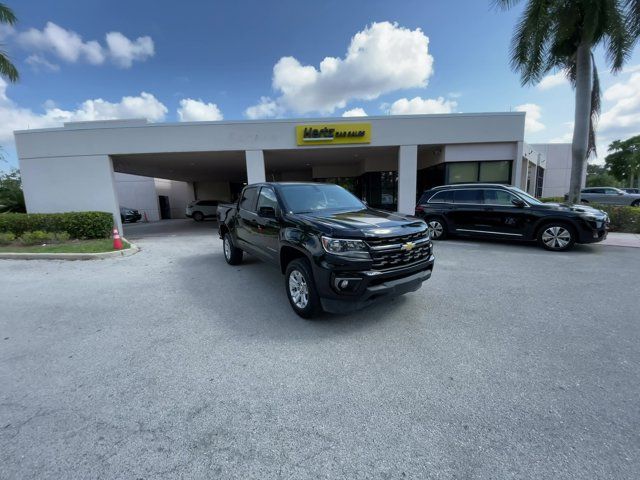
[556, 237]
[198, 216]
[636, 203]
[232, 255]
[301, 290]
[437, 228]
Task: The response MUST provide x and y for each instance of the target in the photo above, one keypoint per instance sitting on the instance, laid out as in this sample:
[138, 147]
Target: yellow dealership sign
[333, 133]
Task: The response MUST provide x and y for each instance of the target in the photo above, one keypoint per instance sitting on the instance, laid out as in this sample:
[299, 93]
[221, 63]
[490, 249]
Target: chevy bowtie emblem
[408, 246]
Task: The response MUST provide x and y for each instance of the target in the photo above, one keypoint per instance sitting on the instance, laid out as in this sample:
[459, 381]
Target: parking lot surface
[511, 362]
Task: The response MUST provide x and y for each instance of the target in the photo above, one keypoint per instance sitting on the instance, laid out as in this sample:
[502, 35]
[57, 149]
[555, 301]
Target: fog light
[346, 284]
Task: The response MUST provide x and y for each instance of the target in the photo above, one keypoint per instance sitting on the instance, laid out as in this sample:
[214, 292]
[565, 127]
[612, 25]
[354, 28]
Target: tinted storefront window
[495, 172]
[462, 172]
[472, 172]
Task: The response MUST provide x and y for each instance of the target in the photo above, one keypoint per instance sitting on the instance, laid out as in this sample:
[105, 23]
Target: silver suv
[609, 196]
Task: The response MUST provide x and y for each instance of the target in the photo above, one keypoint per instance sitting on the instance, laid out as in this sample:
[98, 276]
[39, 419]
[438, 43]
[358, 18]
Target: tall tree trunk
[584, 84]
[632, 179]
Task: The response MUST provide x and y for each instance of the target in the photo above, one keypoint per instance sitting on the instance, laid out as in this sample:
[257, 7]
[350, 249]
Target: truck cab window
[248, 201]
[267, 198]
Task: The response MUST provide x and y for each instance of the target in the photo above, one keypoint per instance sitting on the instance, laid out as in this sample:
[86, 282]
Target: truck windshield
[313, 198]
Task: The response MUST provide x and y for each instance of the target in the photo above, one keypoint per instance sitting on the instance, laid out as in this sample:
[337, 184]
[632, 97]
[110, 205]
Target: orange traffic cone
[117, 243]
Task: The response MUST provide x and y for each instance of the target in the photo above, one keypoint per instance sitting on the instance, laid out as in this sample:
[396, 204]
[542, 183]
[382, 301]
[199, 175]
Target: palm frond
[615, 32]
[530, 41]
[632, 9]
[505, 4]
[7, 69]
[6, 15]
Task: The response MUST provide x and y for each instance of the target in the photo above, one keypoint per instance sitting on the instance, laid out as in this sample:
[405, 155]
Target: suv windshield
[312, 198]
[531, 200]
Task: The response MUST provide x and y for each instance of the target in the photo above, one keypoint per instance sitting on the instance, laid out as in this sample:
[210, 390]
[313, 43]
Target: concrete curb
[132, 250]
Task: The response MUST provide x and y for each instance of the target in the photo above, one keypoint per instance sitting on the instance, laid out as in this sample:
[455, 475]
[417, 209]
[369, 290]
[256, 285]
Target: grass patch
[73, 246]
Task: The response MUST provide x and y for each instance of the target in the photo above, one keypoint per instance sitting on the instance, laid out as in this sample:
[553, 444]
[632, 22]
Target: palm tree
[7, 69]
[561, 34]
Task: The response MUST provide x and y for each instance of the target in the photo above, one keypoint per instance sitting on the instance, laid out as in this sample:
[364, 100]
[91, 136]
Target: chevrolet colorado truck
[337, 255]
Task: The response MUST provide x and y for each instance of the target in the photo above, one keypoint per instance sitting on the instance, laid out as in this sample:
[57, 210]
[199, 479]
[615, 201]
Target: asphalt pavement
[511, 362]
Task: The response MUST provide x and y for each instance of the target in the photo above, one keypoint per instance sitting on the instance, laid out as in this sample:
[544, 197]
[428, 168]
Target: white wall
[490, 136]
[138, 192]
[479, 151]
[179, 193]
[557, 174]
[70, 184]
[127, 138]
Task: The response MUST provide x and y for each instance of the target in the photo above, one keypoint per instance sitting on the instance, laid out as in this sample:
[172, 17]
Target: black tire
[232, 254]
[636, 203]
[299, 273]
[197, 216]
[556, 236]
[437, 233]
[584, 201]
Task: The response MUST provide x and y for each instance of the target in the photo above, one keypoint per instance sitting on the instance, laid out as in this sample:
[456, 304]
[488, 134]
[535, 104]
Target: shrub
[553, 199]
[35, 238]
[623, 219]
[6, 238]
[60, 237]
[76, 224]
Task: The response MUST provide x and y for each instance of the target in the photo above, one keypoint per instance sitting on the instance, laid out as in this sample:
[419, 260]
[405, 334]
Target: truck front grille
[393, 252]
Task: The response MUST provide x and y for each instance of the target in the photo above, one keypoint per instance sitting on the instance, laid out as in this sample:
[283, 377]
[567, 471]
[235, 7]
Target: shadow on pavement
[251, 299]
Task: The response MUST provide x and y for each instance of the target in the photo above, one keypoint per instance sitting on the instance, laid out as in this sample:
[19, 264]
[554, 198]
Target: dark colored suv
[501, 211]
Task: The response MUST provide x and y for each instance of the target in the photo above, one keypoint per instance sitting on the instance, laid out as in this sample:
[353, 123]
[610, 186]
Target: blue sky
[218, 59]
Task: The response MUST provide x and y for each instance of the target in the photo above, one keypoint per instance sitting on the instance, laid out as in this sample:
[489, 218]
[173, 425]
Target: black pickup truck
[337, 254]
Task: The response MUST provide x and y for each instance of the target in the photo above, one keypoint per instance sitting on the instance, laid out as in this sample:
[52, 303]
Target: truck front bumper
[371, 286]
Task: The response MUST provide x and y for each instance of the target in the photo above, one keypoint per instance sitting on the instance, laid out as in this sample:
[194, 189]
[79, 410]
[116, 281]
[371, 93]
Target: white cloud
[69, 46]
[13, 117]
[191, 110]
[383, 57]
[553, 80]
[266, 108]
[532, 121]
[355, 112]
[124, 52]
[6, 31]
[38, 62]
[418, 105]
[622, 118]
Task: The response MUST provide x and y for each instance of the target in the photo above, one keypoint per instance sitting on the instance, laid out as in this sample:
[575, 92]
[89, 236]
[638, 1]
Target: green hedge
[623, 219]
[77, 224]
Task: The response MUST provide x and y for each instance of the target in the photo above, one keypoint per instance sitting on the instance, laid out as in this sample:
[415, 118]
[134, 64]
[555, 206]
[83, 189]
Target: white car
[201, 209]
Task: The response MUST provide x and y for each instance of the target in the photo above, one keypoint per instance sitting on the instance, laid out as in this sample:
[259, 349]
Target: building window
[495, 172]
[462, 172]
[471, 172]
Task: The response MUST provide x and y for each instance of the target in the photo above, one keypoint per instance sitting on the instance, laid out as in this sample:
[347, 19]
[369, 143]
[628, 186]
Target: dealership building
[387, 161]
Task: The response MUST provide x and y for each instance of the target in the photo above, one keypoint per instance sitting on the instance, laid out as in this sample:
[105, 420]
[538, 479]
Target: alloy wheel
[298, 289]
[227, 247]
[556, 237]
[435, 229]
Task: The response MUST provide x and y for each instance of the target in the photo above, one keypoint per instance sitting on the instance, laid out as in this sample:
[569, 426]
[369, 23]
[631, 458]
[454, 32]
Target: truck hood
[363, 223]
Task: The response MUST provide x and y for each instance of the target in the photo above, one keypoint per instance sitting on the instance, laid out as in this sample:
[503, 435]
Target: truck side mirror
[518, 203]
[267, 212]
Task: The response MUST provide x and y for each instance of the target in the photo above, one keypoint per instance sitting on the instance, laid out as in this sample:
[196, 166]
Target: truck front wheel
[232, 255]
[301, 289]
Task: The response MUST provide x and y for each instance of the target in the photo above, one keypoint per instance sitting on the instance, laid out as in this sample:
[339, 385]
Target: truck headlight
[345, 247]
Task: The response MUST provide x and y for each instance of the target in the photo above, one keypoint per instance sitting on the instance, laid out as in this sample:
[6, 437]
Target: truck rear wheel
[301, 289]
[232, 255]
